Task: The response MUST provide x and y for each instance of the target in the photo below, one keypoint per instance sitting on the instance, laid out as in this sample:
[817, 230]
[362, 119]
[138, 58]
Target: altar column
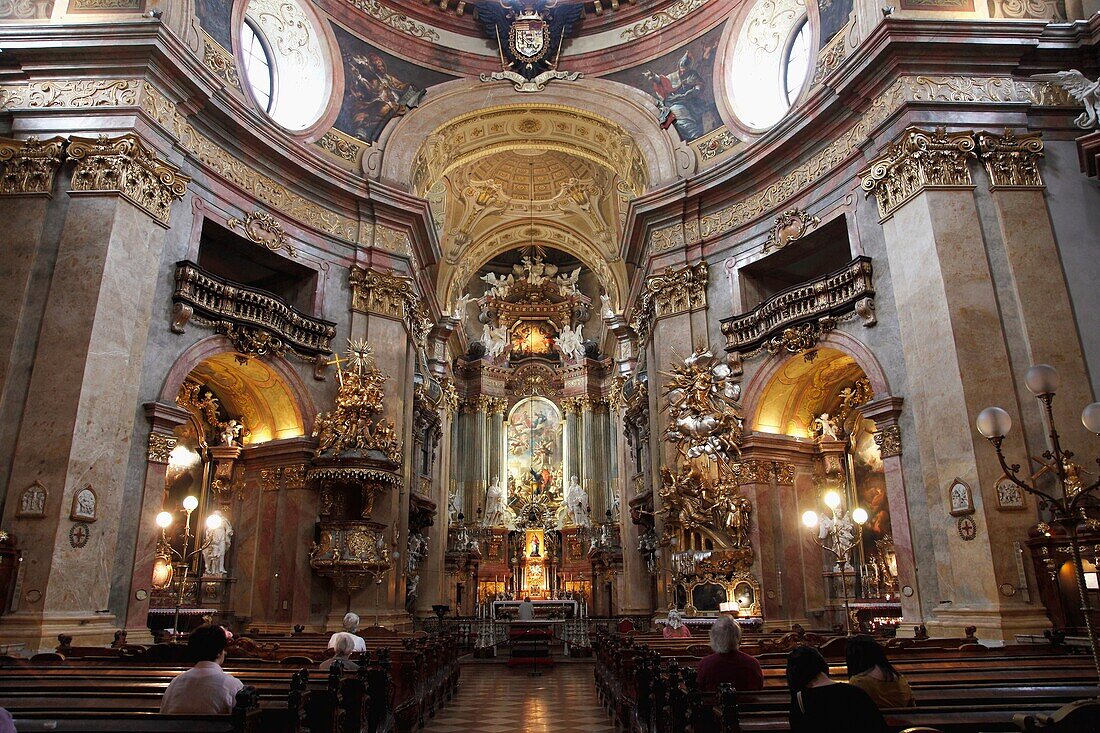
[957, 363]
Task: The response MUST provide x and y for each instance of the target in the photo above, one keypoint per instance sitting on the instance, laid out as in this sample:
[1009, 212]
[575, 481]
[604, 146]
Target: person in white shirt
[526, 610]
[351, 625]
[345, 647]
[205, 689]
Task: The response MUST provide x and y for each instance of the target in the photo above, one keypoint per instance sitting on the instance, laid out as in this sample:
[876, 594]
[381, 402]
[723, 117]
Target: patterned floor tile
[496, 699]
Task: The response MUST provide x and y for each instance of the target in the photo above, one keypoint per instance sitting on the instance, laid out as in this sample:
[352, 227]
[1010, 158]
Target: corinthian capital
[125, 165]
[919, 159]
[29, 166]
[1012, 160]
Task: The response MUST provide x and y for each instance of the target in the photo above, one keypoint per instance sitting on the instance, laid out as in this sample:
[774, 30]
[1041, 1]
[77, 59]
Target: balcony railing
[843, 291]
[225, 303]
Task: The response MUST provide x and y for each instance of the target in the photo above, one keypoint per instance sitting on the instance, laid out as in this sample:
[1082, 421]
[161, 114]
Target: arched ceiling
[803, 389]
[531, 174]
[254, 392]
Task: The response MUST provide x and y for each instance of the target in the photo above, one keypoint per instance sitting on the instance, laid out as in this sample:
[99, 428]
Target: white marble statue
[459, 310]
[453, 508]
[231, 433]
[571, 342]
[1083, 90]
[217, 542]
[417, 551]
[577, 502]
[496, 502]
[495, 339]
[497, 285]
[827, 426]
[605, 301]
[567, 284]
[845, 535]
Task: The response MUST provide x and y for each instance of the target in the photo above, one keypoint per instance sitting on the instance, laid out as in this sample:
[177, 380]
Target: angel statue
[496, 499]
[571, 342]
[497, 285]
[231, 432]
[495, 339]
[826, 427]
[459, 310]
[605, 302]
[1080, 88]
[567, 284]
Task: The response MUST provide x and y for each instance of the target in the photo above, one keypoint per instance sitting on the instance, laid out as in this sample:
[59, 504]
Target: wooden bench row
[653, 690]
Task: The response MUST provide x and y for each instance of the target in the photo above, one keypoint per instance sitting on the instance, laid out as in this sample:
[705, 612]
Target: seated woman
[820, 705]
[344, 644]
[871, 671]
[728, 663]
[675, 628]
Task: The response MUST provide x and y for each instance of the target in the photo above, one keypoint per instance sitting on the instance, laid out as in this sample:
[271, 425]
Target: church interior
[541, 347]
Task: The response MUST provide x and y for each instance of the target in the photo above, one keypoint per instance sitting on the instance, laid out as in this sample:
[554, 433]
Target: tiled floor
[494, 699]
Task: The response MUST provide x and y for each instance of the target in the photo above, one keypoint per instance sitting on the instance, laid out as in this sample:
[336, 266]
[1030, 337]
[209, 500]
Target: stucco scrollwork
[1012, 160]
[398, 21]
[263, 228]
[341, 145]
[71, 93]
[920, 159]
[661, 19]
[124, 164]
[29, 166]
[789, 226]
[220, 61]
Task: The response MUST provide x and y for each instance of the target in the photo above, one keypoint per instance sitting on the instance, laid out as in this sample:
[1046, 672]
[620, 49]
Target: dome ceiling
[531, 174]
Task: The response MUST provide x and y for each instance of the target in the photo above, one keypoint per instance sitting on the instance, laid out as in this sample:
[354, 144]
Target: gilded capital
[674, 291]
[888, 440]
[1012, 160]
[919, 160]
[391, 295]
[125, 165]
[160, 446]
[29, 166]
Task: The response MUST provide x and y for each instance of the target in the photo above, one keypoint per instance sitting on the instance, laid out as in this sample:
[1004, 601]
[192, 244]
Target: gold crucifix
[339, 372]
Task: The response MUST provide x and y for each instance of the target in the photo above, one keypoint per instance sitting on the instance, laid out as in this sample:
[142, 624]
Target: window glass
[798, 63]
[257, 66]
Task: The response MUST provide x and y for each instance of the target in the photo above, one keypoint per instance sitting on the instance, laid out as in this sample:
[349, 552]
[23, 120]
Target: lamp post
[164, 521]
[839, 535]
[1068, 509]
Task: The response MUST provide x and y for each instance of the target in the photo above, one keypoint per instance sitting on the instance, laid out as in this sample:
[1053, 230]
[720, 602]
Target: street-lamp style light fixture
[1067, 510]
[162, 571]
[838, 534]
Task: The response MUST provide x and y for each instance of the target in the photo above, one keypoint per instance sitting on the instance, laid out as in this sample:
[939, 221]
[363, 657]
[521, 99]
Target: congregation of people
[819, 704]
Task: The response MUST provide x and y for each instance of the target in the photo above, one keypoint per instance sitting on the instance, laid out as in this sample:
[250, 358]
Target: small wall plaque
[1010, 497]
[32, 502]
[78, 535]
[961, 498]
[85, 504]
[968, 528]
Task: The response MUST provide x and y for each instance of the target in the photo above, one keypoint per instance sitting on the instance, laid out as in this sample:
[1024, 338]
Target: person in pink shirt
[675, 628]
[205, 689]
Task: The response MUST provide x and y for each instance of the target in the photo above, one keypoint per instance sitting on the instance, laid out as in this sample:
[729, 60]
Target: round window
[797, 64]
[284, 62]
[770, 60]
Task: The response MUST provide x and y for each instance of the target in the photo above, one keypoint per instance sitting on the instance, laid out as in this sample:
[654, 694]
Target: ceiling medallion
[529, 34]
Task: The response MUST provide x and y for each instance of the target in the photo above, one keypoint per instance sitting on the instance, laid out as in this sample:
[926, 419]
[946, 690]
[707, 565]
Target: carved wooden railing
[253, 317]
[843, 291]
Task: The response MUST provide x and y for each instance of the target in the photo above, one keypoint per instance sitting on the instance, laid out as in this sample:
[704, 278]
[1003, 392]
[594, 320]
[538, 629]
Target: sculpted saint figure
[496, 500]
[217, 543]
[576, 500]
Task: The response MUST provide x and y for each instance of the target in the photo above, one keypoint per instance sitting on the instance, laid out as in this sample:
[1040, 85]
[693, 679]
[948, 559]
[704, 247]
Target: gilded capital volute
[29, 166]
[918, 160]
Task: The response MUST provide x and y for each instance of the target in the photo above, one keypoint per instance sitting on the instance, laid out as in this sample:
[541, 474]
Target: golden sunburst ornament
[360, 356]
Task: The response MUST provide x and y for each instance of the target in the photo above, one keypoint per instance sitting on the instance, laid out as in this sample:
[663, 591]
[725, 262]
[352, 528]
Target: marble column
[1037, 282]
[957, 363]
[79, 412]
[163, 419]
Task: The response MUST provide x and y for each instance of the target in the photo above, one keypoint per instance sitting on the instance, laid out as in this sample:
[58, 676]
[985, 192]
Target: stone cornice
[172, 89]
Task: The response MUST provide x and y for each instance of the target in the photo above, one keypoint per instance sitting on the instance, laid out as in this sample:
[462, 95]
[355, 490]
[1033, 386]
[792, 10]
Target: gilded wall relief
[939, 6]
[377, 86]
[681, 84]
[661, 19]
